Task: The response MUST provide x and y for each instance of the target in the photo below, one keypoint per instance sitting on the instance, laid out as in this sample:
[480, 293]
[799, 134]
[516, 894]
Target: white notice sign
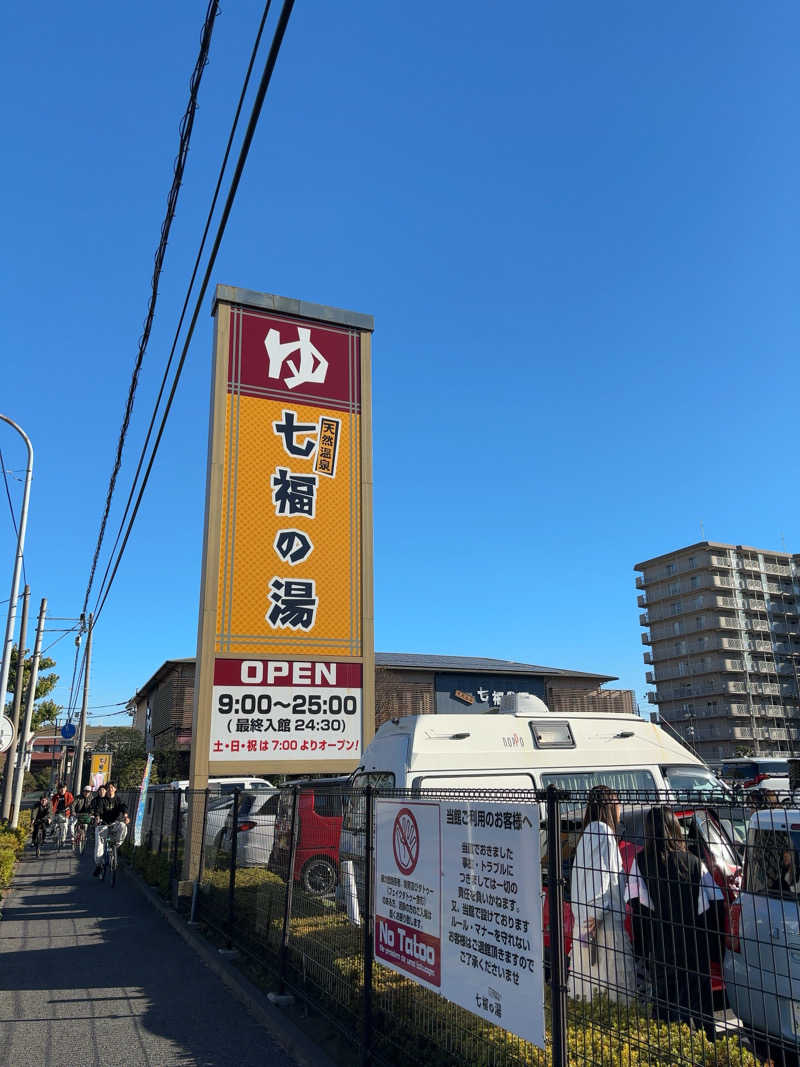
[458, 905]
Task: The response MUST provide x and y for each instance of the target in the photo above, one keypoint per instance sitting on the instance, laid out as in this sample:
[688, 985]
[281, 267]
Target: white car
[762, 964]
[257, 811]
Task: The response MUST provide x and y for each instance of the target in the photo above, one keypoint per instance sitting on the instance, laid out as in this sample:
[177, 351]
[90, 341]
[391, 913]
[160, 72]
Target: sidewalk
[93, 976]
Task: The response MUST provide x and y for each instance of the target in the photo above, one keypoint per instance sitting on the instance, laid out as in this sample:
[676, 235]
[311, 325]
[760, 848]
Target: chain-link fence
[668, 929]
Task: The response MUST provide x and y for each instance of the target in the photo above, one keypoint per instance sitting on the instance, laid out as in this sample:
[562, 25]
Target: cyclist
[81, 811]
[111, 817]
[42, 814]
[62, 808]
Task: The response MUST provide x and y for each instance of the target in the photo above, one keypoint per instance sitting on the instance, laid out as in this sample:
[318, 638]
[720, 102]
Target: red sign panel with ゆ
[407, 903]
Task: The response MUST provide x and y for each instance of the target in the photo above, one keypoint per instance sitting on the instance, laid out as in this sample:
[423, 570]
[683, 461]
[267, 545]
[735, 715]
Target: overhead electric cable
[255, 113]
[172, 200]
[211, 210]
[13, 516]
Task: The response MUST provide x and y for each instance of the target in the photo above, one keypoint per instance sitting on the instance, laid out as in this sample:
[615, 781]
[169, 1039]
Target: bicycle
[80, 834]
[37, 837]
[60, 830]
[117, 833]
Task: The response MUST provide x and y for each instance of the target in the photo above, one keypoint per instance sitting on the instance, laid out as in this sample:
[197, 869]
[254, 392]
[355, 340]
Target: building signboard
[285, 648]
[458, 905]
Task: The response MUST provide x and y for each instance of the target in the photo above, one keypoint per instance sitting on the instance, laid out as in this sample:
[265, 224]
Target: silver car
[762, 964]
[256, 822]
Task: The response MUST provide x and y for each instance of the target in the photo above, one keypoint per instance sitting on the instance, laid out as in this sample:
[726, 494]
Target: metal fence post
[202, 856]
[558, 956]
[161, 830]
[232, 880]
[287, 904]
[366, 1040]
[176, 796]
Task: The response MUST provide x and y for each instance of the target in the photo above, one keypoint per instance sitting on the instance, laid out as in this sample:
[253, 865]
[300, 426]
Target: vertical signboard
[138, 822]
[458, 905]
[285, 657]
[100, 771]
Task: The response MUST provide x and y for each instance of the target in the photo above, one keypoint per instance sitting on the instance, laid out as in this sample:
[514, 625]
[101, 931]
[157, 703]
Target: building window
[699, 622]
[674, 587]
[676, 627]
[691, 562]
[675, 609]
[670, 568]
[693, 582]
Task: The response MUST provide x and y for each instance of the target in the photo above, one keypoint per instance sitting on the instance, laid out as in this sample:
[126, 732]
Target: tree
[47, 710]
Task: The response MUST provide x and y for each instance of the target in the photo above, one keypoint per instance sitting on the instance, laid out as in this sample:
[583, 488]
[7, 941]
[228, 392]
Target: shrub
[7, 860]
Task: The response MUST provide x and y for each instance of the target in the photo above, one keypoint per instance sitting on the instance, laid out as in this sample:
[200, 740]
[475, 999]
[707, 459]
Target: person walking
[673, 893]
[601, 961]
[111, 816]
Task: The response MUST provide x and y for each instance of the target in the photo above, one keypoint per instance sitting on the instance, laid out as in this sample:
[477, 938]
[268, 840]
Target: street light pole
[78, 770]
[12, 603]
[8, 774]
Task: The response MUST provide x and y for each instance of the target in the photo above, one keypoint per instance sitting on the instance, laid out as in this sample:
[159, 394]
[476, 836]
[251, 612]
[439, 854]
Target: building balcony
[649, 677]
[646, 639]
[652, 698]
[644, 620]
[639, 582]
[641, 601]
[647, 657]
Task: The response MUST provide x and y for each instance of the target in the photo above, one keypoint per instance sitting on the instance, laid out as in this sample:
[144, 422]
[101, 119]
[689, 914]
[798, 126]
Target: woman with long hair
[673, 893]
[601, 960]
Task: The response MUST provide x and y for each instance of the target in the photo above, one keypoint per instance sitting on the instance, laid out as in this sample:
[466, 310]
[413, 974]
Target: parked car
[256, 826]
[318, 824]
[762, 964]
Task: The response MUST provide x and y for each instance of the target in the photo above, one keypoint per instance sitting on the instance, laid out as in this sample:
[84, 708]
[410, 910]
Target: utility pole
[8, 775]
[31, 697]
[77, 782]
[12, 603]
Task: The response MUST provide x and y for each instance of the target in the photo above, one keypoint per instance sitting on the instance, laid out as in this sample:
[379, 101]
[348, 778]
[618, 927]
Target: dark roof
[416, 661]
[162, 671]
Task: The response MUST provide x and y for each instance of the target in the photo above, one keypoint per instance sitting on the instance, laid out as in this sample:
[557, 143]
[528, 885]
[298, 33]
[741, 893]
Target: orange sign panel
[289, 578]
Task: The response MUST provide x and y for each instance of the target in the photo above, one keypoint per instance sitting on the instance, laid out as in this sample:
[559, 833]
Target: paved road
[92, 976]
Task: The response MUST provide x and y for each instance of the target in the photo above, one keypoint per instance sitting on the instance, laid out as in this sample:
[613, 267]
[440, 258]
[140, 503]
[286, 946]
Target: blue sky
[574, 224]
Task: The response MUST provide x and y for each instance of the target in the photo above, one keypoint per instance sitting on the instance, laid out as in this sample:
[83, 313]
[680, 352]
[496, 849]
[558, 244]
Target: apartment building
[723, 647]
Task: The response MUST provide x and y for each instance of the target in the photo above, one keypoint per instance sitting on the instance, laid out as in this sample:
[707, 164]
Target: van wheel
[318, 877]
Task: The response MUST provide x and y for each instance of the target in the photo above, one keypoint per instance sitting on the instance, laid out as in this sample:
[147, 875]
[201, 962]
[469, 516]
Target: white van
[524, 747]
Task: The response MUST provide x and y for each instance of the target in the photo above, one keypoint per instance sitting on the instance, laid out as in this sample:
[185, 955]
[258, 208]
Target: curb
[283, 1031]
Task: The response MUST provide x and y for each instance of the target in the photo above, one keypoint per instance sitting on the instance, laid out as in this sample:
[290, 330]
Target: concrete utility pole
[12, 603]
[77, 782]
[8, 775]
[29, 702]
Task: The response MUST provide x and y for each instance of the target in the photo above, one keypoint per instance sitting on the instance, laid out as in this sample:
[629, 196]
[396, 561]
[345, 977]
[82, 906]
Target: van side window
[583, 781]
[328, 804]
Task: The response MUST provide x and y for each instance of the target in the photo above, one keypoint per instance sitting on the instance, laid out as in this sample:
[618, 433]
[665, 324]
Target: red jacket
[62, 804]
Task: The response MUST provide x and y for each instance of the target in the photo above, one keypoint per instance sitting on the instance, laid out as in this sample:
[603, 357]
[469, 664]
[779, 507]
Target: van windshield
[773, 863]
[694, 780]
[354, 808]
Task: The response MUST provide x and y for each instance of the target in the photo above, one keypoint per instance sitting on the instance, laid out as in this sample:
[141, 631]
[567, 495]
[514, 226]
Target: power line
[211, 210]
[255, 113]
[172, 199]
[13, 516]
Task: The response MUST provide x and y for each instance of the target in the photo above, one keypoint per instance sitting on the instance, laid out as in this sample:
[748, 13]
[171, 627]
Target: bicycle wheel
[82, 841]
[59, 836]
[37, 843]
[113, 865]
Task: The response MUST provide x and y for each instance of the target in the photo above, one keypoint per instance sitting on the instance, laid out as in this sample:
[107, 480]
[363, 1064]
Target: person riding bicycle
[62, 807]
[42, 814]
[82, 808]
[111, 817]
